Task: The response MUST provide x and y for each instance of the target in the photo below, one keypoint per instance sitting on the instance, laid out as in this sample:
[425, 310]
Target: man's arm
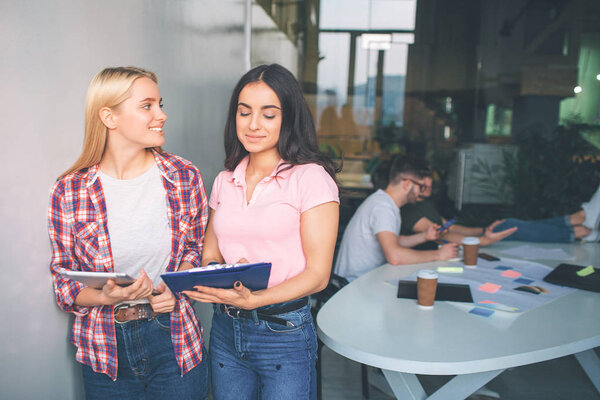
[396, 254]
[465, 230]
[411, 240]
[430, 234]
[424, 223]
[456, 233]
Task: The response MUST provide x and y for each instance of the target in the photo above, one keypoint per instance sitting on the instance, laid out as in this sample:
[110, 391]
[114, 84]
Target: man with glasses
[372, 237]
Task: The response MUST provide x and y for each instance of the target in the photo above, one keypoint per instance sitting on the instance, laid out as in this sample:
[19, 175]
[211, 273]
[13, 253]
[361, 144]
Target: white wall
[48, 53]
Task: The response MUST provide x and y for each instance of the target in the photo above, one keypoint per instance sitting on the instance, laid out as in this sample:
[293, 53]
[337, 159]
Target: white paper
[532, 252]
[508, 299]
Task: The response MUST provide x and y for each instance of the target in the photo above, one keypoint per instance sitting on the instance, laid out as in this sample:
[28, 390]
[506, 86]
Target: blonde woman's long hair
[109, 88]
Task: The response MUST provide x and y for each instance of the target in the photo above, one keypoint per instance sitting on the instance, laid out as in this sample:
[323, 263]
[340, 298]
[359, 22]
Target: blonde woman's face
[139, 120]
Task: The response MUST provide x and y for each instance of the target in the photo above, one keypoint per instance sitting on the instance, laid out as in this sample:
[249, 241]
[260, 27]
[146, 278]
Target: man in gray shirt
[372, 236]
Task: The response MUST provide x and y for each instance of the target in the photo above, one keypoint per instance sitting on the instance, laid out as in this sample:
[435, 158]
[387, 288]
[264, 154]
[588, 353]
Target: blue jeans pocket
[163, 321]
[294, 323]
[296, 320]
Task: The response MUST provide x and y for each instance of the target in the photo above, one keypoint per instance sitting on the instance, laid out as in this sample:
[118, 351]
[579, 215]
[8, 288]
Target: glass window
[450, 79]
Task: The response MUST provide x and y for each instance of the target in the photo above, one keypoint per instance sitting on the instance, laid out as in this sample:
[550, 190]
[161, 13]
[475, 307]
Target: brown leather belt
[133, 312]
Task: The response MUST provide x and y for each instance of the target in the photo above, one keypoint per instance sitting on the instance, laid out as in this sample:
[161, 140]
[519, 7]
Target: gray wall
[49, 52]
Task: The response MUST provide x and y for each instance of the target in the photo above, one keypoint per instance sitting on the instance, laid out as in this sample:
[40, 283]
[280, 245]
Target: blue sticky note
[502, 267]
[523, 281]
[484, 312]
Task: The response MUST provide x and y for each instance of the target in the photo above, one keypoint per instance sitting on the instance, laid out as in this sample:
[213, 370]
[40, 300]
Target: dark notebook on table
[445, 291]
[566, 275]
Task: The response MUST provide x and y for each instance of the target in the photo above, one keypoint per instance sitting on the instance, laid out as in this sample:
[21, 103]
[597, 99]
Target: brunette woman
[276, 201]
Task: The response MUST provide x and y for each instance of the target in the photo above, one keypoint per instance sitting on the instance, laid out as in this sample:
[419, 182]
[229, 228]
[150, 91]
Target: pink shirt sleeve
[316, 187]
[214, 194]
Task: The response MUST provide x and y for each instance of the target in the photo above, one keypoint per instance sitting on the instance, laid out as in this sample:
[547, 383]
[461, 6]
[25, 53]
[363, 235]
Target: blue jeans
[255, 359]
[552, 230]
[147, 368]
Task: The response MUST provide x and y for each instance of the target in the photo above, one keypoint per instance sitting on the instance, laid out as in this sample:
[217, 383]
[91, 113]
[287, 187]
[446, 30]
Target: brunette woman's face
[139, 119]
[258, 118]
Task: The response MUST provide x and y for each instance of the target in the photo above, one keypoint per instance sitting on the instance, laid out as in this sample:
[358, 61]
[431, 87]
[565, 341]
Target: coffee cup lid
[427, 274]
[470, 240]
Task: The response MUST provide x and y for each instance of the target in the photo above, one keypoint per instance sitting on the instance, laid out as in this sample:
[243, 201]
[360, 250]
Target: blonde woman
[127, 206]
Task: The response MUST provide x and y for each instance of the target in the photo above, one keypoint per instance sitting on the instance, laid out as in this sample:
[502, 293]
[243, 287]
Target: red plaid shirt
[78, 232]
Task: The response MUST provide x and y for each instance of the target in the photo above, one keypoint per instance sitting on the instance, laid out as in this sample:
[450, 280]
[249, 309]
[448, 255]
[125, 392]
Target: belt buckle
[228, 310]
[116, 310]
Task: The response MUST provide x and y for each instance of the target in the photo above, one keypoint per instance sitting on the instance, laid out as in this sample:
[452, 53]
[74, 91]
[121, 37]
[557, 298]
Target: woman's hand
[240, 296]
[113, 293]
[163, 302]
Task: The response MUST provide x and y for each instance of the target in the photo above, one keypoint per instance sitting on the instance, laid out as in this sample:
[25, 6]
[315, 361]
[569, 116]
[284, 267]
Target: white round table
[365, 322]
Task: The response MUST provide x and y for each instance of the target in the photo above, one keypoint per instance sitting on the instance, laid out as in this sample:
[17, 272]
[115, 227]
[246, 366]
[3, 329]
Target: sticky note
[586, 271]
[496, 306]
[502, 267]
[452, 270]
[489, 287]
[484, 312]
[511, 273]
[523, 281]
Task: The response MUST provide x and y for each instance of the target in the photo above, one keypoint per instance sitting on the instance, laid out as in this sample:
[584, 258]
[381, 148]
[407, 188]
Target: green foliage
[330, 151]
[389, 136]
[551, 175]
[372, 165]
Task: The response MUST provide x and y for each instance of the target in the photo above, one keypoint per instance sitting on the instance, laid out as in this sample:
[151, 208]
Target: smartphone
[446, 225]
[488, 257]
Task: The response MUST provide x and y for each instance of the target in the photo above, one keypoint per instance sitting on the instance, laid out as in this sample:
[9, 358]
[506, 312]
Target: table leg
[462, 386]
[404, 385]
[590, 363]
[407, 386]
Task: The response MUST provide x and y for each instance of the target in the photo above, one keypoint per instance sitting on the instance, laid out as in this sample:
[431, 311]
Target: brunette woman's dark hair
[298, 137]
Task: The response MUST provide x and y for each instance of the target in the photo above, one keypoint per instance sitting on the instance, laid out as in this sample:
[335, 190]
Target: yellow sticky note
[586, 271]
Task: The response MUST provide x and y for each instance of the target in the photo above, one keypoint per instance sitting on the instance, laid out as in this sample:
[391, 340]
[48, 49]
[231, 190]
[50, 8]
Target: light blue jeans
[551, 230]
[147, 368]
[255, 359]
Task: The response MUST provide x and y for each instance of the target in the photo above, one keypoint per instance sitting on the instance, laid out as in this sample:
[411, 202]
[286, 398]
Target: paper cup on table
[470, 250]
[426, 287]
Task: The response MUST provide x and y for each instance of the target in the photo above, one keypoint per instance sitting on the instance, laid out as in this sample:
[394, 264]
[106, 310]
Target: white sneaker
[594, 236]
[592, 211]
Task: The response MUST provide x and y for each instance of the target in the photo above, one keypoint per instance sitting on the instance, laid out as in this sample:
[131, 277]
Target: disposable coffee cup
[426, 287]
[470, 250]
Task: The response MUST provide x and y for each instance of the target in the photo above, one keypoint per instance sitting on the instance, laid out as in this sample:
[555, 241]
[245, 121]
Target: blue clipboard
[254, 276]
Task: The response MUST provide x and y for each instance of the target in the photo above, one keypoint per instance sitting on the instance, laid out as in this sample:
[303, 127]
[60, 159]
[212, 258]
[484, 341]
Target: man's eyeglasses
[422, 187]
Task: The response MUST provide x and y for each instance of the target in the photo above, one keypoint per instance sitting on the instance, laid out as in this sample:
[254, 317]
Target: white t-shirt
[138, 226]
[360, 250]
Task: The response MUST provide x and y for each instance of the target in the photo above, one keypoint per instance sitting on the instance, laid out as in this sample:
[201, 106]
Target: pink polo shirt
[267, 228]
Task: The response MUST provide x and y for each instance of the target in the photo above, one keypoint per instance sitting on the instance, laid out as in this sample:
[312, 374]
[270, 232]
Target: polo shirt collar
[239, 173]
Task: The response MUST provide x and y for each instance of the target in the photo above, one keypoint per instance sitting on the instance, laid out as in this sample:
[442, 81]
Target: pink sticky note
[511, 273]
[488, 302]
[489, 287]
